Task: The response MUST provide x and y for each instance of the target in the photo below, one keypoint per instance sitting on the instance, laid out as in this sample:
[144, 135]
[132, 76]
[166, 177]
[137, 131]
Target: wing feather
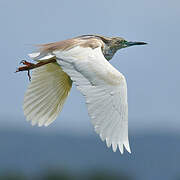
[105, 92]
[46, 94]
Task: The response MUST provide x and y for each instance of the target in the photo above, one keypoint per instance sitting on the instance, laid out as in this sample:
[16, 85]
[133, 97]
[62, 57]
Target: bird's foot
[28, 66]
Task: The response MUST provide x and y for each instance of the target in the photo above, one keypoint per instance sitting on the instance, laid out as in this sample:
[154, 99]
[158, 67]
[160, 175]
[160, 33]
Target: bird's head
[113, 44]
[119, 43]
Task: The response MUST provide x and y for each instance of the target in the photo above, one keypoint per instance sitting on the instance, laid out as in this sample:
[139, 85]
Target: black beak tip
[143, 43]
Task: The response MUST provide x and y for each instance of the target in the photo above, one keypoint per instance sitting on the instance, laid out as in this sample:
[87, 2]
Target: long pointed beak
[135, 43]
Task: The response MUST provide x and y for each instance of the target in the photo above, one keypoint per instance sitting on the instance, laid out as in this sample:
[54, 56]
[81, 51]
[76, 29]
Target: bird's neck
[108, 51]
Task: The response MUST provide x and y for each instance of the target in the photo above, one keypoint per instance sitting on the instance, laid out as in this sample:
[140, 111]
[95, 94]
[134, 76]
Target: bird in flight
[84, 61]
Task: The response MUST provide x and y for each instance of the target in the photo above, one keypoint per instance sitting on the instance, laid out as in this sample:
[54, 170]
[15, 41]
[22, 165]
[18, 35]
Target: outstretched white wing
[46, 94]
[104, 89]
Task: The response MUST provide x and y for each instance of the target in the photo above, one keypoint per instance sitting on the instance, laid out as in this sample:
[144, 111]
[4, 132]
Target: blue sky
[152, 71]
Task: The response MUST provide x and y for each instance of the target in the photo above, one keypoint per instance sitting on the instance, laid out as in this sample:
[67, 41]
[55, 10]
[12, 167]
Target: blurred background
[69, 148]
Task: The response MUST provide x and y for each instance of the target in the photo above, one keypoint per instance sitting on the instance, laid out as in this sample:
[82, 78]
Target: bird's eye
[122, 41]
[119, 41]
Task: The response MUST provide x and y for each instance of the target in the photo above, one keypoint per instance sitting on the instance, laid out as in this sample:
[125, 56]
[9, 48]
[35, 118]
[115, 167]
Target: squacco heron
[84, 61]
